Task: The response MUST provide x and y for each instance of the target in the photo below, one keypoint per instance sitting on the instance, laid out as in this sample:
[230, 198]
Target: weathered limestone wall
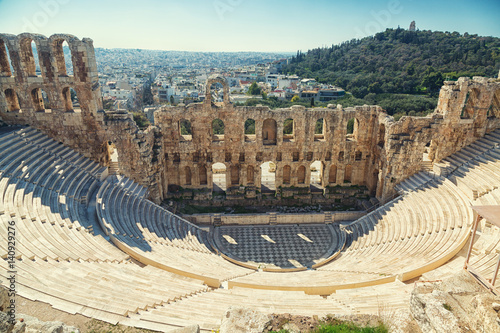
[280, 218]
[379, 154]
[189, 158]
[466, 111]
[137, 150]
[43, 99]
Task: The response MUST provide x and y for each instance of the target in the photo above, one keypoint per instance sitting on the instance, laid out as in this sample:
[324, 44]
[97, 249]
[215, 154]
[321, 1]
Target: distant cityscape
[138, 80]
[134, 79]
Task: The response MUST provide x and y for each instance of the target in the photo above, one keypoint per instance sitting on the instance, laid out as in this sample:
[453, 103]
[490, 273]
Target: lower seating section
[485, 250]
[101, 290]
[211, 306]
[157, 237]
[379, 299]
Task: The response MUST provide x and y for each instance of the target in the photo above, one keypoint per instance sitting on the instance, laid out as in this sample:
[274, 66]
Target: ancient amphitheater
[93, 242]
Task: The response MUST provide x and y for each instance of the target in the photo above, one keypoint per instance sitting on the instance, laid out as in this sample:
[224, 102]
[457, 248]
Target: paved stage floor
[284, 246]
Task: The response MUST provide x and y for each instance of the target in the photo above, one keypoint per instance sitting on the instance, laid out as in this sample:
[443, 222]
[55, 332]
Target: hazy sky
[240, 25]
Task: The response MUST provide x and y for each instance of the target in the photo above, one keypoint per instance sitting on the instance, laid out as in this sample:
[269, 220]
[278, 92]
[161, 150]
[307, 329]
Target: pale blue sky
[240, 25]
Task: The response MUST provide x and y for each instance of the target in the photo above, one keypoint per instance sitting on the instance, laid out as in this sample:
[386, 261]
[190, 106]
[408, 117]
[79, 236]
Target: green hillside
[401, 62]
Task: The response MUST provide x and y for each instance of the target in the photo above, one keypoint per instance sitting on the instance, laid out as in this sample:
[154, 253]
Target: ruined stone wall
[43, 99]
[467, 110]
[379, 153]
[188, 158]
[137, 150]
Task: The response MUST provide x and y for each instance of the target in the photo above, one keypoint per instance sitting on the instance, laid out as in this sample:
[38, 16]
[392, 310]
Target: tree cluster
[254, 89]
[400, 61]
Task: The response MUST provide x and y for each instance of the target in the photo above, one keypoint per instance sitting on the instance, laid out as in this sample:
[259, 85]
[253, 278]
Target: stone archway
[269, 131]
[268, 177]
[225, 89]
[6, 68]
[219, 177]
[494, 109]
[316, 179]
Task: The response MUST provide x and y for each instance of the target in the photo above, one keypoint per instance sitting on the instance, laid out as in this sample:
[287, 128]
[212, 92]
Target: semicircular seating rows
[485, 250]
[403, 239]
[155, 236]
[150, 268]
[475, 168]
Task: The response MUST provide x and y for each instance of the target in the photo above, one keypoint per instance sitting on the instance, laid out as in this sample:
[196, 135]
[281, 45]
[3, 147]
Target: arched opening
[268, 177]
[269, 130]
[374, 182]
[114, 163]
[250, 130]
[12, 100]
[29, 55]
[288, 130]
[316, 180]
[348, 174]
[68, 104]
[6, 68]
[319, 130]
[187, 176]
[358, 156]
[250, 175]
[185, 130]
[352, 129]
[301, 175]
[75, 100]
[202, 170]
[341, 156]
[494, 109]
[219, 177]
[40, 100]
[380, 187]
[471, 101]
[381, 136]
[287, 172]
[70, 98]
[218, 130]
[63, 56]
[332, 176]
[235, 175]
[429, 155]
[217, 92]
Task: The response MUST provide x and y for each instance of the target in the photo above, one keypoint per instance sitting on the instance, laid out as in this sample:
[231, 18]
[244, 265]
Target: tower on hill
[412, 26]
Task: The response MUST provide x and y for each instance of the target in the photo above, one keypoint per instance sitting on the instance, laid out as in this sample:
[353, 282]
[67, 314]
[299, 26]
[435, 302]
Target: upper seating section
[475, 169]
[44, 188]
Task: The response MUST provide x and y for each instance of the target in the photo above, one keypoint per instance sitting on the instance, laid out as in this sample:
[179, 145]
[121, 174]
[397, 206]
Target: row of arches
[224, 176]
[269, 130]
[40, 100]
[30, 56]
